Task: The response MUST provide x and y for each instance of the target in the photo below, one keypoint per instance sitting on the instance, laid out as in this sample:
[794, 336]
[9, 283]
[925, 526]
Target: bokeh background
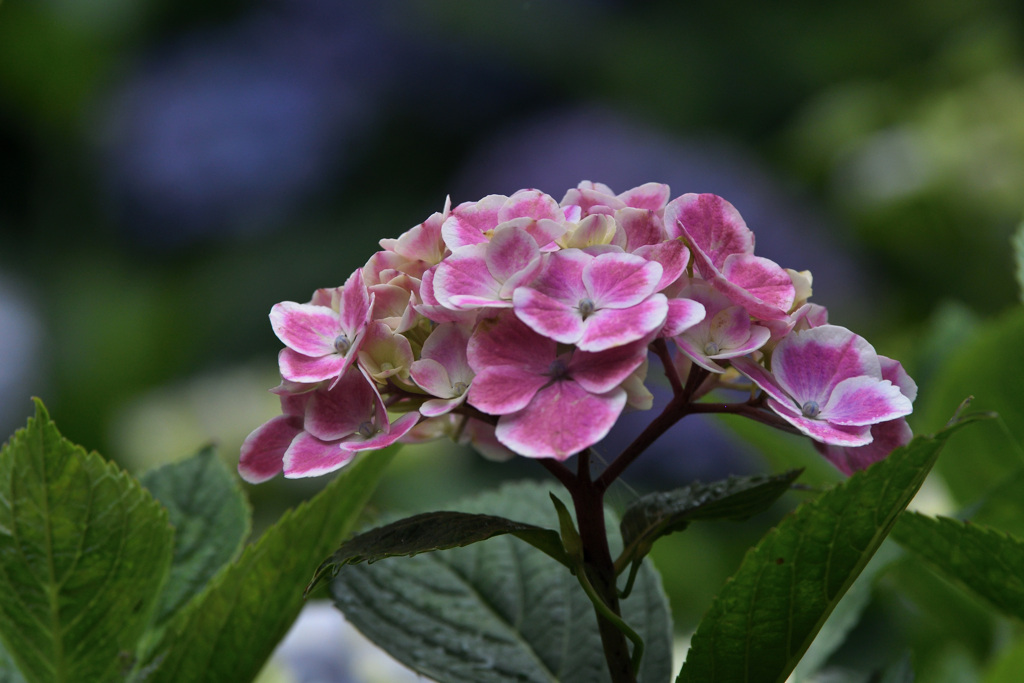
[170, 170]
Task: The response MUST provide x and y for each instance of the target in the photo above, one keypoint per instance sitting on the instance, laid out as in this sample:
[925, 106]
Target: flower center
[711, 348]
[460, 388]
[557, 369]
[586, 307]
[366, 430]
[386, 366]
[342, 344]
[810, 409]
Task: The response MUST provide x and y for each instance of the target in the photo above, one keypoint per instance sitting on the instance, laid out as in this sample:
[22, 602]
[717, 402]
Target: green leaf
[659, 514]
[433, 531]
[210, 517]
[229, 630]
[83, 552]
[983, 368]
[8, 671]
[765, 617]
[500, 610]
[984, 560]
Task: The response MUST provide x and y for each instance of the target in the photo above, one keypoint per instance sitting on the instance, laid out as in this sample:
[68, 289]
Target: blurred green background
[170, 170]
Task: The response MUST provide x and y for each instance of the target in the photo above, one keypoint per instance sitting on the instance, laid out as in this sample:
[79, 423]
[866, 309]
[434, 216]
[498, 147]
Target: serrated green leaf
[765, 617]
[981, 559]
[431, 531]
[226, 634]
[210, 517]
[500, 610]
[83, 551]
[658, 514]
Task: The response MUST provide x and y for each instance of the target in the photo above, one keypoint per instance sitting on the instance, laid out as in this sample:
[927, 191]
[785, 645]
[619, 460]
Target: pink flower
[886, 436]
[443, 370]
[322, 341]
[723, 252]
[595, 302]
[827, 382]
[486, 274]
[321, 430]
[531, 210]
[725, 332]
[551, 404]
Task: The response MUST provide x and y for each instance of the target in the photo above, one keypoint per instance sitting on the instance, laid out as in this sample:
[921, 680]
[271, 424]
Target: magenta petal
[602, 371]
[650, 196]
[865, 401]
[820, 430]
[886, 437]
[339, 412]
[431, 376]
[382, 439]
[697, 355]
[308, 456]
[463, 279]
[305, 328]
[763, 379]
[355, 304]
[510, 251]
[504, 389]
[713, 227]
[562, 277]
[620, 280]
[809, 363]
[441, 406]
[614, 327]
[506, 340]
[764, 279]
[729, 328]
[673, 257]
[546, 316]
[468, 222]
[563, 419]
[263, 450]
[893, 371]
[298, 368]
[759, 336]
[642, 227]
[682, 315]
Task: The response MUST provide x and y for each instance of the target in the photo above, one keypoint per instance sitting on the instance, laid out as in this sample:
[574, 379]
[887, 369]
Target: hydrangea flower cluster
[522, 325]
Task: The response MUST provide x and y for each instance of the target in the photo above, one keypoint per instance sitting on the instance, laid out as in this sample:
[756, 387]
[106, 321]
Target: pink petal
[610, 327]
[763, 279]
[642, 227]
[729, 328]
[506, 340]
[549, 317]
[504, 389]
[463, 279]
[562, 276]
[468, 222]
[650, 196]
[886, 437]
[298, 368]
[865, 401]
[697, 355]
[441, 406]
[530, 204]
[808, 364]
[682, 315]
[308, 456]
[431, 376]
[893, 371]
[340, 411]
[304, 328]
[263, 450]
[355, 304]
[673, 257]
[820, 430]
[602, 371]
[713, 227]
[620, 280]
[381, 439]
[763, 379]
[563, 419]
[510, 252]
[759, 336]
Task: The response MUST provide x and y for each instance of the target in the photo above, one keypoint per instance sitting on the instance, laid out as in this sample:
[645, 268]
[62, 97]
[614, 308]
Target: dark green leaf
[83, 551]
[659, 514]
[984, 560]
[210, 517]
[8, 671]
[227, 632]
[433, 531]
[765, 617]
[500, 610]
